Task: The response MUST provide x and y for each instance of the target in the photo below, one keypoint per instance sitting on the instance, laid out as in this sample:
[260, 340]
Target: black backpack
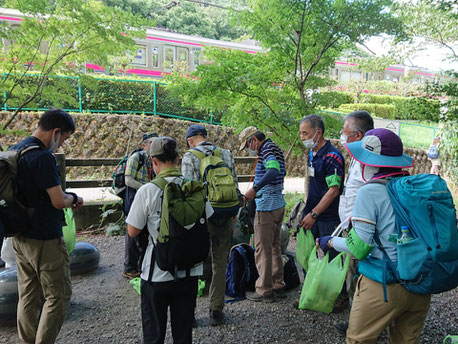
[241, 273]
[290, 274]
[14, 216]
[119, 173]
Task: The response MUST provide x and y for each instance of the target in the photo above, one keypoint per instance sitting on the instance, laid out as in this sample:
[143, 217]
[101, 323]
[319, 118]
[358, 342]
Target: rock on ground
[105, 309]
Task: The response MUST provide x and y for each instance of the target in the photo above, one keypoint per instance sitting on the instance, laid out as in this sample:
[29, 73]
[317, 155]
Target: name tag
[311, 171]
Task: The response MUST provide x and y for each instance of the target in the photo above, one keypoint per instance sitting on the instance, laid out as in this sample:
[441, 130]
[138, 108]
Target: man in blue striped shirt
[270, 209]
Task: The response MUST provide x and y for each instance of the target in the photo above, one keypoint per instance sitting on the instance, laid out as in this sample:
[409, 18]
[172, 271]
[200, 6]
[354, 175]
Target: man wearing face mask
[326, 167]
[41, 254]
[355, 127]
[270, 209]
[139, 171]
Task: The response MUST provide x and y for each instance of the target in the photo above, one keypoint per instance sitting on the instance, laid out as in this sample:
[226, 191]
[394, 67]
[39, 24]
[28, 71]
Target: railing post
[5, 95]
[211, 116]
[79, 95]
[154, 97]
[62, 169]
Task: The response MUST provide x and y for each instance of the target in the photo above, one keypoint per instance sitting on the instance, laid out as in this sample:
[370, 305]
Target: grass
[415, 135]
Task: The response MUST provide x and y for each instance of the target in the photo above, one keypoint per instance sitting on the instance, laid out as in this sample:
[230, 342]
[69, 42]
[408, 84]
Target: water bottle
[405, 236]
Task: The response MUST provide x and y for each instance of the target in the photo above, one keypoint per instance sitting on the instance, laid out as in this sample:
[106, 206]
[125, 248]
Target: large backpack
[429, 263]
[183, 241]
[15, 217]
[119, 174]
[241, 272]
[222, 190]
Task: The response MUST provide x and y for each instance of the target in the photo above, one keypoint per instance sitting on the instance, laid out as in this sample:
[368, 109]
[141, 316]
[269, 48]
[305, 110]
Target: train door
[172, 55]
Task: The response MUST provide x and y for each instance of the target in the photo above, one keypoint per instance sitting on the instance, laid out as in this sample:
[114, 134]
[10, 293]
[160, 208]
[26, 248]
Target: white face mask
[310, 144]
[368, 172]
[343, 139]
[251, 152]
[55, 144]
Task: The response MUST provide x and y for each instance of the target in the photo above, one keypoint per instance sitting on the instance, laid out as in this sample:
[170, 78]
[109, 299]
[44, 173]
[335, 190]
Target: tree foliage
[434, 20]
[188, 17]
[302, 40]
[59, 37]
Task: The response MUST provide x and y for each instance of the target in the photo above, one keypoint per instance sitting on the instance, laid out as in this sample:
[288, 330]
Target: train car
[160, 50]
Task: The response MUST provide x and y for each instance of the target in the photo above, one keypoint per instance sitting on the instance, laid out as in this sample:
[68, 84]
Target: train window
[356, 75]
[182, 55]
[155, 57]
[140, 56]
[196, 54]
[169, 57]
[345, 75]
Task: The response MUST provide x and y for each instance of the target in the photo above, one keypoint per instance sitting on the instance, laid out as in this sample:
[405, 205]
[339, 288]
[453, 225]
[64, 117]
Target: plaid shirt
[190, 164]
[146, 170]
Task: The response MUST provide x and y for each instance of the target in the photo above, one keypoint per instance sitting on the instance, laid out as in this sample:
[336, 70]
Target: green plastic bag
[305, 244]
[69, 230]
[201, 287]
[136, 284]
[453, 339]
[323, 282]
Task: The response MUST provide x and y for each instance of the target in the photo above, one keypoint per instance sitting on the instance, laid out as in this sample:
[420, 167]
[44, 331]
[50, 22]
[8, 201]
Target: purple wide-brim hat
[380, 148]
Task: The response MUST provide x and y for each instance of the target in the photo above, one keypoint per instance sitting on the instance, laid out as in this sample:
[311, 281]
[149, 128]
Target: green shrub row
[410, 108]
[378, 110]
[406, 108]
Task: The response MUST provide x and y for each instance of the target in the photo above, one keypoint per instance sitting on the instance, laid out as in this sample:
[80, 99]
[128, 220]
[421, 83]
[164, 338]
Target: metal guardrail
[63, 163]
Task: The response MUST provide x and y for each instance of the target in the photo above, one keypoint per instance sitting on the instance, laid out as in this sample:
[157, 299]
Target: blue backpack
[241, 273]
[429, 263]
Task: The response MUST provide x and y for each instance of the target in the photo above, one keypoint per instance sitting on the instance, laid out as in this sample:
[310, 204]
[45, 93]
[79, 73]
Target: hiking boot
[342, 327]
[254, 296]
[341, 303]
[280, 293]
[216, 318]
[131, 274]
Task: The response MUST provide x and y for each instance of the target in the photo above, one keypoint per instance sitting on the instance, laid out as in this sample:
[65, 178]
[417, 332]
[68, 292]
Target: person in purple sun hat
[374, 308]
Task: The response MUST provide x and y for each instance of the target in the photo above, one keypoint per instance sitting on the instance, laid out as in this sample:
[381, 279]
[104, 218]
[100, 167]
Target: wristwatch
[256, 188]
[314, 215]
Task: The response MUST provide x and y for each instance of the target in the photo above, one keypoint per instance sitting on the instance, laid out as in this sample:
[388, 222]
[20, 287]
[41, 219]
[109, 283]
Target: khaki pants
[404, 313]
[350, 279]
[220, 230]
[267, 226]
[43, 271]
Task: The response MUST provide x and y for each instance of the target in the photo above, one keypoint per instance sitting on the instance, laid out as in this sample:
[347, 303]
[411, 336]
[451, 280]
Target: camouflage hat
[246, 134]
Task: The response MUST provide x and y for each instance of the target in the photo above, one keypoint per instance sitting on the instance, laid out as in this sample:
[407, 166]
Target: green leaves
[60, 37]
[302, 40]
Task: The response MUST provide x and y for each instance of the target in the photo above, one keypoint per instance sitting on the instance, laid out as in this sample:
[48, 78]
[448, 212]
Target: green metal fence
[107, 95]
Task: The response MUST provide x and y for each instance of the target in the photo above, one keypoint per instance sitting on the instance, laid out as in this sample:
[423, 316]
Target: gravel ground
[106, 309]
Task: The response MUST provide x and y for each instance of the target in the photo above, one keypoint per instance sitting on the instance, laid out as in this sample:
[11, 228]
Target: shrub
[411, 108]
[333, 100]
[377, 110]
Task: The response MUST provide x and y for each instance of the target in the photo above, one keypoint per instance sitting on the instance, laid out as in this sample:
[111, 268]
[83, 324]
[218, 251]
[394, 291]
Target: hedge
[377, 110]
[413, 108]
[333, 100]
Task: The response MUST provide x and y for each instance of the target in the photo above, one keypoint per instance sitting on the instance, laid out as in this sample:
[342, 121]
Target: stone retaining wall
[107, 136]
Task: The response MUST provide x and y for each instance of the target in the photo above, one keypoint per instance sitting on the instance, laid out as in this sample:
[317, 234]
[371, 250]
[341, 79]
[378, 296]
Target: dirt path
[106, 309]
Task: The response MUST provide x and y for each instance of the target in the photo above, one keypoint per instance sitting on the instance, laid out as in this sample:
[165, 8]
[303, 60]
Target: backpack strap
[160, 182]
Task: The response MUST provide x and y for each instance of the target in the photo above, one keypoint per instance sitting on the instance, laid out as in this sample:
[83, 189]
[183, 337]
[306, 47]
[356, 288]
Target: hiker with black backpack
[214, 166]
[173, 210]
[137, 172]
[43, 269]
[381, 298]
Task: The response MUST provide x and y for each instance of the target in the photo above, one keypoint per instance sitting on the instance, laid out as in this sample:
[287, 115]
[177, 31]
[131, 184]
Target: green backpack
[183, 241]
[222, 190]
